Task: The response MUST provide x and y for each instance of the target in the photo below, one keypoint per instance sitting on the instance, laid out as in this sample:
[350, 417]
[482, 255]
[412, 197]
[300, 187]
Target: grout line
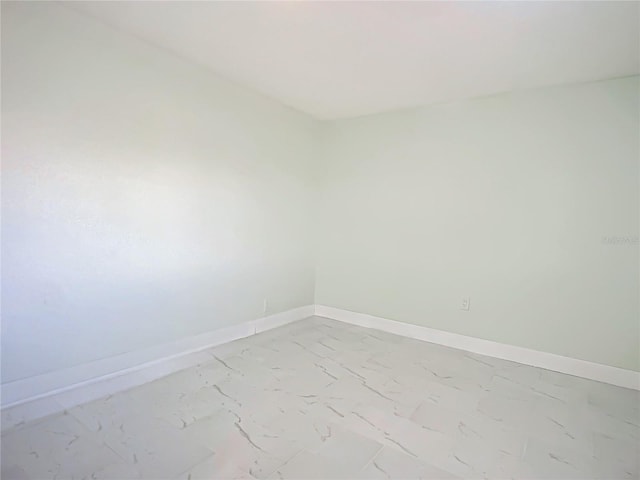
[286, 462]
[213, 454]
[372, 459]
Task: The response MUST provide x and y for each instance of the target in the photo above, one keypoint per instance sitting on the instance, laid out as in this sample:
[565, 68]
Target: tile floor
[322, 399]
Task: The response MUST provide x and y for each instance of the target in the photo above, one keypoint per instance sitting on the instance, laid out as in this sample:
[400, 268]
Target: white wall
[146, 200]
[505, 199]
[143, 199]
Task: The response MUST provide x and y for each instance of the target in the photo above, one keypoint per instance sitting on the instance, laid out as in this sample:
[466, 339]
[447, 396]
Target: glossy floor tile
[322, 399]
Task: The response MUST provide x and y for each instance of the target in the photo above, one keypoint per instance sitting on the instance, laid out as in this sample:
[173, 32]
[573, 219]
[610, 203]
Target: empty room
[320, 240]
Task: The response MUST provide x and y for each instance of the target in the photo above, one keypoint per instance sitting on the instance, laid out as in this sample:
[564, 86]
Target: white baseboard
[61, 389]
[572, 366]
[36, 397]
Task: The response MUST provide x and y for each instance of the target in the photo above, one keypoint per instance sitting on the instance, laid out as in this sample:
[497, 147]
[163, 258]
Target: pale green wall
[505, 199]
[144, 199]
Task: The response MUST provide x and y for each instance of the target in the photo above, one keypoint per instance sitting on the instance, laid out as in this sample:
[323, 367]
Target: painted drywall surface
[527, 203]
[143, 199]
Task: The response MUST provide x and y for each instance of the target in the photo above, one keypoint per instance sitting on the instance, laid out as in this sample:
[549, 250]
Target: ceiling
[342, 59]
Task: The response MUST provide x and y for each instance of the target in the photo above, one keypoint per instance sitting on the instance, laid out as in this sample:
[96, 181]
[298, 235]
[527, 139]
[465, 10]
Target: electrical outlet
[265, 305]
[466, 303]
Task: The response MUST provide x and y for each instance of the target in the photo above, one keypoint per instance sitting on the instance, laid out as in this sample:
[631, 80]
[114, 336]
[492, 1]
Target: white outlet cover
[466, 303]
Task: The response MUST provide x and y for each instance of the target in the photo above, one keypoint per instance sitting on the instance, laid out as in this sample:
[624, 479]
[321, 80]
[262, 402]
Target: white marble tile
[343, 455]
[391, 464]
[613, 399]
[321, 399]
[239, 442]
[154, 446]
[158, 450]
[118, 471]
[306, 465]
[611, 423]
[349, 451]
[305, 430]
[548, 461]
[616, 457]
[515, 412]
[57, 448]
[483, 447]
[36, 410]
[560, 423]
[399, 433]
[218, 467]
[451, 397]
[107, 412]
[13, 472]
[478, 428]
[436, 418]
